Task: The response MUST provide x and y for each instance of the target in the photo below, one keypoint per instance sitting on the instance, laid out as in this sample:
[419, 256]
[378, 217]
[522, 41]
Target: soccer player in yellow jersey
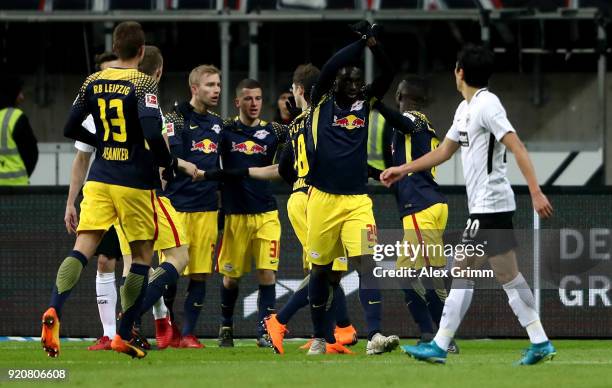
[124, 105]
[171, 243]
[293, 166]
[108, 252]
[252, 230]
[193, 131]
[421, 204]
[114, 239]
[338, 205]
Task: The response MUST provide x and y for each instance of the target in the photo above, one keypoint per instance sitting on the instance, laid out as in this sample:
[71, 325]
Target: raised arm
[342, 58]
[383, 81]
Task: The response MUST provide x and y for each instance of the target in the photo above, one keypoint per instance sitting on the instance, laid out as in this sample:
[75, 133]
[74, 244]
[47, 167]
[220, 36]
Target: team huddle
[169, 183]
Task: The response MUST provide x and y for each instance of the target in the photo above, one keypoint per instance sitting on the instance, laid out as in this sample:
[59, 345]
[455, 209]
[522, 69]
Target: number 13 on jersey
[119, 135]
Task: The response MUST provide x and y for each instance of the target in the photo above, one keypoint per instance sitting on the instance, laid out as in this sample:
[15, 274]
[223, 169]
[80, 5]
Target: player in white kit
[482, 130]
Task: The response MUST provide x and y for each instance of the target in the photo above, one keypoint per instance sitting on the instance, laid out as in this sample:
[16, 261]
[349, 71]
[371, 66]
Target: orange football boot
[347, 336]
[121, 346]
[50, 333]
[276, 331]
[337, 348]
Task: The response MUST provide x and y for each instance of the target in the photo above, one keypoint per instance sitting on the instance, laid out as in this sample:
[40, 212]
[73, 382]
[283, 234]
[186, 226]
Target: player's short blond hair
[198, 72]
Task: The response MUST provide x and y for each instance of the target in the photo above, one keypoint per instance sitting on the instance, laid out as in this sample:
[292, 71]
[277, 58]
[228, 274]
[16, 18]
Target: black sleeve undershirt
[26, 142]
[383, 81]
[285, 165]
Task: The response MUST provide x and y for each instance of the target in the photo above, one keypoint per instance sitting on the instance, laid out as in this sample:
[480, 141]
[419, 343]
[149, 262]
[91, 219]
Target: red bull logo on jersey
[206, 146]
[249, 148]
[349, 122]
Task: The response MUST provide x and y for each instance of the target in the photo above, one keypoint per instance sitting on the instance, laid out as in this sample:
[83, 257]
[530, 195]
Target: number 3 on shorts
[371, 233]
[274, 249]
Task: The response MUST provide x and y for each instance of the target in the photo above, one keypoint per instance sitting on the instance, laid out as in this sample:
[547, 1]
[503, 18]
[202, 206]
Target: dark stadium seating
[458, 4]
[464, 4]
[260, 4]
[71, 4]
[234, 4]
[396, 4]
[19, 4]
[132, 4]
[340, 4]
[541, 5]
[254, 5]
[195, 4]
[605, 5]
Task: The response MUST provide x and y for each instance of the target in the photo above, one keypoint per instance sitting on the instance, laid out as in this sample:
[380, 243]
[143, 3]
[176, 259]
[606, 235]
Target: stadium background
[547, 79]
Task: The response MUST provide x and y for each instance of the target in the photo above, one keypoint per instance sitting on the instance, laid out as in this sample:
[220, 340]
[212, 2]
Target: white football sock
[456, 305]
[107, 300]
[522, 302]
[159, 309]
[536, 332]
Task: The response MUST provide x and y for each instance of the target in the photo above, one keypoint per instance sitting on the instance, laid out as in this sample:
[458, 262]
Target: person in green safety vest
[18, 145]
[380, 136]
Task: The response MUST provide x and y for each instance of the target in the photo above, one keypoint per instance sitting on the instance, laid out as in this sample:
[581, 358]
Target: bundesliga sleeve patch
[170, 129]
[151, 101]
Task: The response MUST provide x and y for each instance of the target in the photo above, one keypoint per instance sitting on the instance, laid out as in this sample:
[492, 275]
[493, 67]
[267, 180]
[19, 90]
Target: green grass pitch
[481, 364]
